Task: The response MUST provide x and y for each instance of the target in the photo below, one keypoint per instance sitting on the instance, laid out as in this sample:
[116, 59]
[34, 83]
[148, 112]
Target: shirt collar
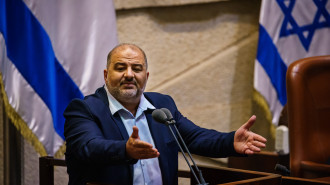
[116, 106]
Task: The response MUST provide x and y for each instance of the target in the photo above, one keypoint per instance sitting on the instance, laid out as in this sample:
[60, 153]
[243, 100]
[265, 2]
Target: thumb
[135, 133]
[250, 122]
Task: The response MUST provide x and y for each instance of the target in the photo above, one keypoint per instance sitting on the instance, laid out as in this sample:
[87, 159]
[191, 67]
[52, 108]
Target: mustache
[128, 81]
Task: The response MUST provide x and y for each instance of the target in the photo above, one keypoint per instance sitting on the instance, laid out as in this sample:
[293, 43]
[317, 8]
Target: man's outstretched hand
[247, 142]
[137, 149]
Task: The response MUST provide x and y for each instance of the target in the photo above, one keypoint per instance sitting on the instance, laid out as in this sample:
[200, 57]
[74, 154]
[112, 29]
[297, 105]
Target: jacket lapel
[116, 118]
[102, 94]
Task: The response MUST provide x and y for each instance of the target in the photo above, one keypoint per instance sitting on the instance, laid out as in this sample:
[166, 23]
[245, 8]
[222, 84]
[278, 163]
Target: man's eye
[120, 68]
[138, 69]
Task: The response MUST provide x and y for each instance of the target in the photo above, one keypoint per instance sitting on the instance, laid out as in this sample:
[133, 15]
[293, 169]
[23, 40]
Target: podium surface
[232, 176]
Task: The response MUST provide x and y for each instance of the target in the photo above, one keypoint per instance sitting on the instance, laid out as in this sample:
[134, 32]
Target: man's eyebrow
[137, 65]
[119, 63]
[124, 64]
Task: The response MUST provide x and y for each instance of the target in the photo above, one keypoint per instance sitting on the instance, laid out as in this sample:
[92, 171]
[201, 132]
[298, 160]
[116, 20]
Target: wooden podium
[219, 175]
[232, 176]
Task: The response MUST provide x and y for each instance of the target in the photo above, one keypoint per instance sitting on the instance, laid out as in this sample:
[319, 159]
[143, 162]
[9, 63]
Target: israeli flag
[51, 52]
[289, 30]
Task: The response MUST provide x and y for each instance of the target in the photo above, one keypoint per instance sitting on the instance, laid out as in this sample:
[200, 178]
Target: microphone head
[159, 116]
[282, 169]
[168, 113]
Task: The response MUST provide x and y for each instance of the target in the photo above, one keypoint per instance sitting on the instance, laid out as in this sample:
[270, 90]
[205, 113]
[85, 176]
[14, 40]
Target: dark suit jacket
[96, 140]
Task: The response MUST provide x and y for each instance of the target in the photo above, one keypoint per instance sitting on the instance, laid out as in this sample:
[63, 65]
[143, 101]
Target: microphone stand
[172, 122]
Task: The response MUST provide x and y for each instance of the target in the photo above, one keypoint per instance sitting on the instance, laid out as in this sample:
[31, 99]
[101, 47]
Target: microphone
[164, 116]
[282, 169]
[168, 115]
[159, 116]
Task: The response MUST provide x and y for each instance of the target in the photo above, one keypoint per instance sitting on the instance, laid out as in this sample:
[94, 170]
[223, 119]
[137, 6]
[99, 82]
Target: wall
[201, 52]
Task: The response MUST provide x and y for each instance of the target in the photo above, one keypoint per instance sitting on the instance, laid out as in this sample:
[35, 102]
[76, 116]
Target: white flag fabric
[51, 52]
[289, 30]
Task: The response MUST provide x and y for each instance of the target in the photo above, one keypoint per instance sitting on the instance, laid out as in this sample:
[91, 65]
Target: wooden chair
[308, 93]
[46, 169]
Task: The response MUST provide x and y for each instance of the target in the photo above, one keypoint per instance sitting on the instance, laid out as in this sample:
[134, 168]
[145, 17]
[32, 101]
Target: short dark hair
[126, 44]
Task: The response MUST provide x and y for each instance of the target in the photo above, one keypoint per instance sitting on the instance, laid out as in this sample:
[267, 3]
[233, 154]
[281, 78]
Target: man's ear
[105, 74]
[147, 75]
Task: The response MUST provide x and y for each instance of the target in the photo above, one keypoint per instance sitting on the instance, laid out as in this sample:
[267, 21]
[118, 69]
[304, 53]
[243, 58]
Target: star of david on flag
[289, 30]
[50, 53]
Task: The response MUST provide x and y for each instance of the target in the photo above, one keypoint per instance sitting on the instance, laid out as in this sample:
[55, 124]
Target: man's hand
[247, 142]
[137, 149]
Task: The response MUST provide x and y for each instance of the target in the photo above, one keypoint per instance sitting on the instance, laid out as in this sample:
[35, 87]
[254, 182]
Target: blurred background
[200, 52]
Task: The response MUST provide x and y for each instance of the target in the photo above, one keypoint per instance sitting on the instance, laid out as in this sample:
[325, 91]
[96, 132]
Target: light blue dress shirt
[146, 171]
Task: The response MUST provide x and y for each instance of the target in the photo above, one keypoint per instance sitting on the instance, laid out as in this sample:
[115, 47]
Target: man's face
[127, 75]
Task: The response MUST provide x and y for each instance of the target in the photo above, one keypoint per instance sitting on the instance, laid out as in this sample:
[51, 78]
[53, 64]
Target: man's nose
[129, 73]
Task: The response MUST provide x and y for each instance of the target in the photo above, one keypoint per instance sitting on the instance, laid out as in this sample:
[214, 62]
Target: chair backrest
[46, 169]
[308, 92]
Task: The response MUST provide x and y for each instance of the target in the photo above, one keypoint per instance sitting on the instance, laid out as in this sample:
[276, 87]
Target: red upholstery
[308, 92]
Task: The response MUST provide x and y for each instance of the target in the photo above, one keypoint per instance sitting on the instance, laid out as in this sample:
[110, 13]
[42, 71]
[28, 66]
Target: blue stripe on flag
[30, 49]
[272, 63]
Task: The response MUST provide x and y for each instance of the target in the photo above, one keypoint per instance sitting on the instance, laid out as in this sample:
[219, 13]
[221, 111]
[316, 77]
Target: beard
[125, 95]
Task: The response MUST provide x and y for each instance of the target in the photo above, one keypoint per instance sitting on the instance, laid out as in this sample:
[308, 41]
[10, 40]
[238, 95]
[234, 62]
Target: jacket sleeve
[85, 140]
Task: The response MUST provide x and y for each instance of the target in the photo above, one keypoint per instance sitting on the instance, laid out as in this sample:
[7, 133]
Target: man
[112, 138]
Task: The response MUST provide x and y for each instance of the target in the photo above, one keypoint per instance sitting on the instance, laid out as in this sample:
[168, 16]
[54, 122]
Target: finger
[259, 144]
[146, 154]
[248, 152]
[135, 133]
[259, 138]
[250, 122]
[148, 157]
[135, 151]
[254, 148]
[141, 144]
[143, 151]
[246, 148]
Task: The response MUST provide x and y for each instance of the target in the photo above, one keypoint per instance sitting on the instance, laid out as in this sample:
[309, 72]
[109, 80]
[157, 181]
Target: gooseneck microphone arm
[161, 117]
[164, 116]
[170, 118]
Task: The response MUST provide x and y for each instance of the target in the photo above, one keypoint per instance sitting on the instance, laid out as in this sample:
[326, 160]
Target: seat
[308, 93]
